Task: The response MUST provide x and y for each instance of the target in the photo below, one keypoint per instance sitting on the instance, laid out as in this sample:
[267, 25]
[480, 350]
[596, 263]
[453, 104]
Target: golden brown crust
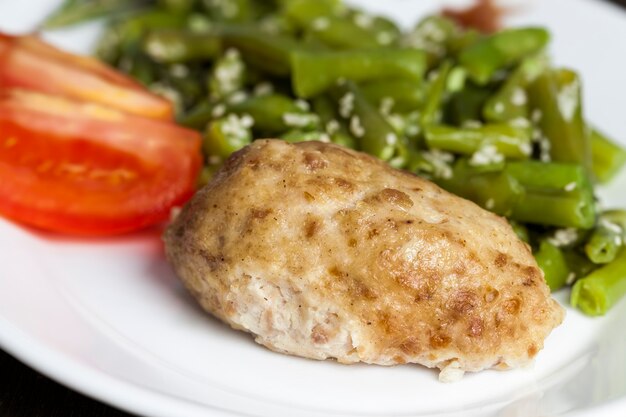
[366, 263]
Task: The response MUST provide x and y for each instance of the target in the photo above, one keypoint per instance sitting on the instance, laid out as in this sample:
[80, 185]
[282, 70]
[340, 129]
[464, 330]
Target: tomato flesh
[27, 62]
[88, 170]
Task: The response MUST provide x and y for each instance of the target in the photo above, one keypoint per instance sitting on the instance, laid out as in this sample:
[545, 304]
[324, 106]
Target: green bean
[501, 50]
[578, 264]
[275, 113]
[607, 158]
[231, 11]
[314, 72]
[432, 111]
[556, 97]
[511, 100]
[73, 12]
[520, 230]
[498, 192]
[198, 117]
[552, 262]
[179, 47]
[467, 105]
[509, 141]
[556, 194]
[227, 135]
[405, 95]
[373, 134]
[596, 293]
[605, 242]
[270, 53]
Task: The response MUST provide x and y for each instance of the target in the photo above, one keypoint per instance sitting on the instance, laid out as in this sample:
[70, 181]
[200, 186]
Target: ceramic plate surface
[108, 318]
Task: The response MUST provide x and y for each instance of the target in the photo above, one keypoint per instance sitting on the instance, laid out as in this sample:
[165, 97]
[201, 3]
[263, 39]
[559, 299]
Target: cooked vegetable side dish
[483, 115]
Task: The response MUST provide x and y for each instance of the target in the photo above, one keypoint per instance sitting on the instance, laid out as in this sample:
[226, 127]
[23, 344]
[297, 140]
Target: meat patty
[324, 252]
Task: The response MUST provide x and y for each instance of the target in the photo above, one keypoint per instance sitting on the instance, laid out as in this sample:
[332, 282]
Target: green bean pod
[405, 95]
[553, 264]
[596, 293]
[512, 142]
[314, 72]
[556, 97]
[226, 135]
[501, 50]
[175, 46]
[511, 100]
[607, 158]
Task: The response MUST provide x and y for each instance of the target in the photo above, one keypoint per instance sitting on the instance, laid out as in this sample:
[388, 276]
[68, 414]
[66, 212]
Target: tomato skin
[29, 63]
[84, 169]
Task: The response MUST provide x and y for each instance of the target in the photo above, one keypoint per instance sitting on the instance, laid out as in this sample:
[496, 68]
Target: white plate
[108, 318]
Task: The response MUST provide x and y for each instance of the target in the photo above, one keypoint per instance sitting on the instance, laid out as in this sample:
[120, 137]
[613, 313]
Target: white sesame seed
[321, 23]
[519, 97]
[567, 100]
[544, 149]
[520, 122]
[300, 119]
[618, 240]
[302, 105]
[384, 38]
[356, 127]
[571, 277]
[218, 111]
[486, 155]
[536, 116]
[324, 138]
[233, 126]
[237, 97]
[386, 105]
[332, 126]
[499, 107]
[246, 121]
[231, 53]
[440, 161]
[526, 148]
[346, 105]
[179, 70]
[564, 237]
[472, 124]
[570, 187]
[490, 204]
[391, 139]
[263, 89]
[363, 20]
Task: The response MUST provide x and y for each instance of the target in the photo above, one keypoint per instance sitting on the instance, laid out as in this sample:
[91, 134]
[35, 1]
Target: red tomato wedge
[87, 169]
[29, 63]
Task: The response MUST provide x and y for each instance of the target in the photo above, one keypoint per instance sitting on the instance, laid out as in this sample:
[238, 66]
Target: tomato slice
[29, 63]
[86, 169]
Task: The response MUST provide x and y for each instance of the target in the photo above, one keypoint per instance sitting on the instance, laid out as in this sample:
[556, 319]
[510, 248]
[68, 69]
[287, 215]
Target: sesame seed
[179, 70]
[356, 127]
[346, 105]
[571, 277]
[564, 237]
[520, 122]
[490, 204]
[384, 38]
[214, 160]
[613, 227]
[391, 139]
[302, 105]
[237, 97]
[526, 148]
[246, 121]
[363, 20]
[300, 119]
[519, 98]
[332, 126]
[439, 161]
[568, 100]
[386, 105]
[321, 23]
[236, 127]
[536, 116]
[570, 187]
[499, 108]
[263, 89]
[324, 138]
[218, 111]
[486, 155]
[472, 124]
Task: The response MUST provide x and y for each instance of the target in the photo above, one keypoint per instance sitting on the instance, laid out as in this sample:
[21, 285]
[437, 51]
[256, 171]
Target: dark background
[26, 393]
